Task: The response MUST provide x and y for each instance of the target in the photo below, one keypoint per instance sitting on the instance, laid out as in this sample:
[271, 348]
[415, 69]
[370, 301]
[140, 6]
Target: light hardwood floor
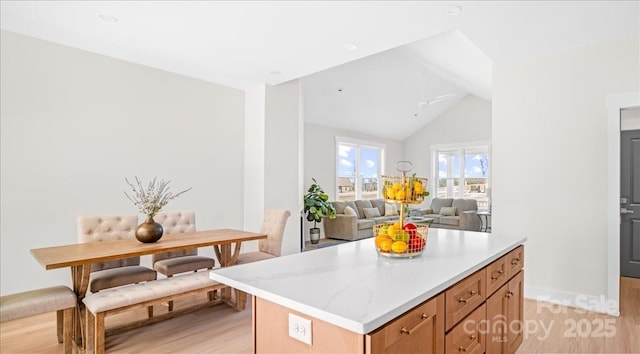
[224, 330]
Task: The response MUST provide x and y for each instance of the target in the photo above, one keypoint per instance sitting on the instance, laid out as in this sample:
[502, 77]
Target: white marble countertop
[352, 287]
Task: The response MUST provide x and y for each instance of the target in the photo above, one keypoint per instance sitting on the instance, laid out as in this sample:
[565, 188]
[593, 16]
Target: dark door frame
[615, 103]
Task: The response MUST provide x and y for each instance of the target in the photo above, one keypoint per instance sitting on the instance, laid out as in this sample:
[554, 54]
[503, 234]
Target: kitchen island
[349, 294]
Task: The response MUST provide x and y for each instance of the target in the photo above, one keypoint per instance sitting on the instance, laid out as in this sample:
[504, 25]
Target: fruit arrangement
[397, 240]
[404, 189]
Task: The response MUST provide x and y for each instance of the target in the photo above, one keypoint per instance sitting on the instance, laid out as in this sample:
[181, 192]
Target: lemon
[386, 245]
[383, 230]
[397, 186]
[391, 230]
[391, 193]
[381, 238]
[399, 247]
[400, 194]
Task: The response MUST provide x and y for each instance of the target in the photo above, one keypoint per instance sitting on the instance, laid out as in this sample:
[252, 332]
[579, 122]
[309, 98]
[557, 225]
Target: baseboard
[590, 303]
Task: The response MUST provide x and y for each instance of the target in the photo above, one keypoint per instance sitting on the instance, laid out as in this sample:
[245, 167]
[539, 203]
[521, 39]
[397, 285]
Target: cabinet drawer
[515, 260]
[497, 274]
[421, 330]
[464, 297]
[469, 335]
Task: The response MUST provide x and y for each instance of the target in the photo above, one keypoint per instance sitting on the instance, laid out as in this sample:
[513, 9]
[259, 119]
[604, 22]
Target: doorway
[615, 104]
[630, 193]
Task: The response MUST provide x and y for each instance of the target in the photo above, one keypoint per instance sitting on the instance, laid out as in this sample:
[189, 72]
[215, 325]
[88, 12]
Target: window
[359, 166]
[466, 166]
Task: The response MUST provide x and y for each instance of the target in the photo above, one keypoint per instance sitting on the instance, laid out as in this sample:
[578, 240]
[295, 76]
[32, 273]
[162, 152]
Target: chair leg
[68, 329]
[212, 294]
[90, 326]
[98, 337]
[170, 301]
[59, 325]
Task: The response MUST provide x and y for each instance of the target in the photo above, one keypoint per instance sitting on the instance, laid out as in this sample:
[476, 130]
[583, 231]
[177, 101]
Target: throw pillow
[349, 211]
[448, 211]
[371, 212]
[390, 209]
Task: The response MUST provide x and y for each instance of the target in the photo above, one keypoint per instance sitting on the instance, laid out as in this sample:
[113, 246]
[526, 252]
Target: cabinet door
[464, 297]
[469, 335]
[497, 274]
[497, 321]
[420, 331]
[515, 313]
[515, 261]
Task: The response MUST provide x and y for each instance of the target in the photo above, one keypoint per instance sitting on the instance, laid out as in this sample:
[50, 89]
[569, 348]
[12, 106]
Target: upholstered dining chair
[271, 247]
[171, 263]
[111, 274]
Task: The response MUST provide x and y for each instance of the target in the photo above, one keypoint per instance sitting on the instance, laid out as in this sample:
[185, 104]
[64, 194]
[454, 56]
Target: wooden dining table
[79, 257]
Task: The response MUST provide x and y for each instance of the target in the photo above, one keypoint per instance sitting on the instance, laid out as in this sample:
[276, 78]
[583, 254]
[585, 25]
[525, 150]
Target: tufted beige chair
[271, 247]
[171, 263]
[118, 272]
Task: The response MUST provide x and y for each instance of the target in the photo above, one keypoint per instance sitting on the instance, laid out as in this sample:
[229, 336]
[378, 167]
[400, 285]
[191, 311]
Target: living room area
[516, 129]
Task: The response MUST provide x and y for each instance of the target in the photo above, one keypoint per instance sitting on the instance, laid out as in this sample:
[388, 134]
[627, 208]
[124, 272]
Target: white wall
[283, 147]
[320, 158]
[254, 168]
[550, 162]
[75, 124]
[468, 121]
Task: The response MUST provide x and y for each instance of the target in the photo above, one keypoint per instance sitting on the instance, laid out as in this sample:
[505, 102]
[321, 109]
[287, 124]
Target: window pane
[346, 172]
[476, 188]
[369, 172]
[476, 164]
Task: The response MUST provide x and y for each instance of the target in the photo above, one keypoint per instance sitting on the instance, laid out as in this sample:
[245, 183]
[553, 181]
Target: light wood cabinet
[464, 297]
[515, 260]
[469, 335]
[420, 330]
[497, 274]
[505, 317]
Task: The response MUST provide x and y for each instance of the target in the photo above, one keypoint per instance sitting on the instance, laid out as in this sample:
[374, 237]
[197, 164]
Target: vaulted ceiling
[444, 46]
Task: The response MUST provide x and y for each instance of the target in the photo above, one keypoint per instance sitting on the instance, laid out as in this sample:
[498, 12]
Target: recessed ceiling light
[454, 10]
[108, 18]
[350, 46]
[275, 72]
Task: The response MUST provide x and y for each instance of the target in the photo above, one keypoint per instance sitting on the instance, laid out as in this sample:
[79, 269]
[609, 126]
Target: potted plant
[317, 207]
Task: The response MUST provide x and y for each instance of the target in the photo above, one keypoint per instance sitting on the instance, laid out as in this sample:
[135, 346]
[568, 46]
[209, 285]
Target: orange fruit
[399, 247]
[385, 245]
[381, 238]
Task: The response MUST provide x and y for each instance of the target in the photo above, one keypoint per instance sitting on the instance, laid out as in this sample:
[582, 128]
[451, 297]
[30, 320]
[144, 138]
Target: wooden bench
[59, 299]
[112, 301]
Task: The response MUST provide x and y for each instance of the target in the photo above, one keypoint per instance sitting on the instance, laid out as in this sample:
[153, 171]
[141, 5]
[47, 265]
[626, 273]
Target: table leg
[228, 258]
[80, 279]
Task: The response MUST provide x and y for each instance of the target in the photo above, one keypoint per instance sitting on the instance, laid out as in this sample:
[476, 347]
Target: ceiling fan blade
[439, 98]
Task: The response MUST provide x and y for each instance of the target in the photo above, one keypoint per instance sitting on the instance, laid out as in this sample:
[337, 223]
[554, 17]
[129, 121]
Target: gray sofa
[355, 227]
[465, 218]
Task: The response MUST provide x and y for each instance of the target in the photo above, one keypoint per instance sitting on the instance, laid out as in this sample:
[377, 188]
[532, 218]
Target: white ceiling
[241, 43]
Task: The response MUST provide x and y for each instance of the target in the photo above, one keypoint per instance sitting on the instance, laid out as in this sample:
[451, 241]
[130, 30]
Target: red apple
[410, 228]
[416, 243]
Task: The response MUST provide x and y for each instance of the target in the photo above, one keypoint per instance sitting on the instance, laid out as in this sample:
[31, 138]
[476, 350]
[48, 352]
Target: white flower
[150, 201]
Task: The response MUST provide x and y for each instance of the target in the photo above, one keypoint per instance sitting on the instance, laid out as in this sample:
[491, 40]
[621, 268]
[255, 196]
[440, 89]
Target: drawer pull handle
[464, 349]
[463, 300]
[424, 318]
[515, 261]
[500, 272]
